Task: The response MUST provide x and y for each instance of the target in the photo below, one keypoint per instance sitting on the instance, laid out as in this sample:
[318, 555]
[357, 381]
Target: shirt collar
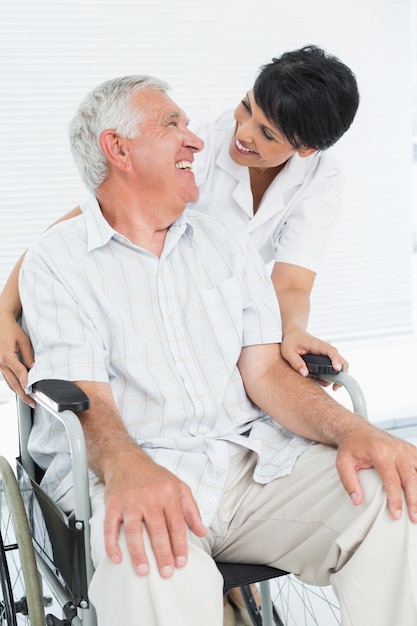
[99, 231]
[183, 227]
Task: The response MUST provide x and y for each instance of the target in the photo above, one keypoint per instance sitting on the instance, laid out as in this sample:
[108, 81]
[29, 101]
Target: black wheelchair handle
[319, 364]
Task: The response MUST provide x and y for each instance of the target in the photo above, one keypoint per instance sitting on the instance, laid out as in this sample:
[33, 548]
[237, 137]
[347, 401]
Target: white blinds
[52, 53]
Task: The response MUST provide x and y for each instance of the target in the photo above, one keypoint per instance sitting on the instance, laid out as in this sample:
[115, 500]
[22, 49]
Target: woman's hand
[14, 341]
[299, 343]
[293, 285]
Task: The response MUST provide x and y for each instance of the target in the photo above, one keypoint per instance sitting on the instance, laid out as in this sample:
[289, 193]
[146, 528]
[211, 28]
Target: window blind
[53, 53]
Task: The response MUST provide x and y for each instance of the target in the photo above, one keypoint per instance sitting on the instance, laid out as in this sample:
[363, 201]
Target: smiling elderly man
[202, 441]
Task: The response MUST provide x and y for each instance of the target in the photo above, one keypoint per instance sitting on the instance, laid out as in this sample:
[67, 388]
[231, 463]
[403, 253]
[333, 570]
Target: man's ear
[114, 148]
[305, 152]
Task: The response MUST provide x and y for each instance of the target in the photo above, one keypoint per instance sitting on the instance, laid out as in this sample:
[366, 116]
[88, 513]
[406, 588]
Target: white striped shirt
[166, 334]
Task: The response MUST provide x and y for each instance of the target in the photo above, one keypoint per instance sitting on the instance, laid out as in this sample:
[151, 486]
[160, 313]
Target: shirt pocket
[223, 307]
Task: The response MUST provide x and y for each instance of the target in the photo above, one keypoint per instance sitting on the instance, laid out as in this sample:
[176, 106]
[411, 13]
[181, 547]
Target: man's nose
[193, 141]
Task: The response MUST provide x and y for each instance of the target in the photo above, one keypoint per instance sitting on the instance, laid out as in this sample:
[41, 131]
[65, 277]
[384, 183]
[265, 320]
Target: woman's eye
[245, 105]
[267, 135]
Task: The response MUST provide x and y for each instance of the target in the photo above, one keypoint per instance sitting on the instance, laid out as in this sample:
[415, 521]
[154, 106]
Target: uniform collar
[292, 175]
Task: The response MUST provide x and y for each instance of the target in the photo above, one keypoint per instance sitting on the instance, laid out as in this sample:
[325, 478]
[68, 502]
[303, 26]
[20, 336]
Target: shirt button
[212, 499]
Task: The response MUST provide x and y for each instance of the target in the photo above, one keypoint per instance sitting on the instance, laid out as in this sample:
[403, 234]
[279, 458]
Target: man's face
[162, 155]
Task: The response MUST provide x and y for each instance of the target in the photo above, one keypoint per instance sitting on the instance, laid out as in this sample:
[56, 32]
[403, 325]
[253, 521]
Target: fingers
[192, 517]
[112, 523]
[408, 484]
[133, 528]
[296, 344]
[168, 538]
[14, 372]
[17, 380]
[396, 462]
[339, 363]
[396, 465]
[166, 526]
[25, 348]
[349, 478]
[168, 533]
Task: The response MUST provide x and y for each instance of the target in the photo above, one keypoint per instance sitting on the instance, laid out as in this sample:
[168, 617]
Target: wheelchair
[45, 562]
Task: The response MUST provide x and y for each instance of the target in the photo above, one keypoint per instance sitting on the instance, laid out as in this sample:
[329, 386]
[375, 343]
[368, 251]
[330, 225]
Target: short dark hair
[312, 97]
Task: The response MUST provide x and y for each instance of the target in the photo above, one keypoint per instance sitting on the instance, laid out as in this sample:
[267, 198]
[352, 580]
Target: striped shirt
[166, 334]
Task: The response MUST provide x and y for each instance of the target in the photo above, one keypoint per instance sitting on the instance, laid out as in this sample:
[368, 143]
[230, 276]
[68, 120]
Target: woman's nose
[244, 130]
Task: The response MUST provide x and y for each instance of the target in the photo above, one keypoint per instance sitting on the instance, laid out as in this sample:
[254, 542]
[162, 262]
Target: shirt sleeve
[303, 238]
[64, 339]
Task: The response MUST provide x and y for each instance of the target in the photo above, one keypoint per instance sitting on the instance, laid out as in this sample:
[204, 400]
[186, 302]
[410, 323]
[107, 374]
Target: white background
[210, 52]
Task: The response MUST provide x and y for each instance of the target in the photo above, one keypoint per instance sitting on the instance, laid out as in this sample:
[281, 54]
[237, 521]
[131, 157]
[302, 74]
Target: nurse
[267, 166]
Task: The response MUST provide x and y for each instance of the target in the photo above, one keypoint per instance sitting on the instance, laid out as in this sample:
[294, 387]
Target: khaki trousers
[304, 523]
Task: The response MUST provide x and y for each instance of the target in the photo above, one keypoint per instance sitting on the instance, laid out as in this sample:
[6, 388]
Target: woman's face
[256, 141]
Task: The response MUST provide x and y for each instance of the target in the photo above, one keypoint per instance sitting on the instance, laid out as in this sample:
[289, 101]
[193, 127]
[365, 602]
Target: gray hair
[108, 106]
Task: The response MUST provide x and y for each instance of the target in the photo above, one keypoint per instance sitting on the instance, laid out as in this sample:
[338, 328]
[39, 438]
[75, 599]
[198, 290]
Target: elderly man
[202, 441]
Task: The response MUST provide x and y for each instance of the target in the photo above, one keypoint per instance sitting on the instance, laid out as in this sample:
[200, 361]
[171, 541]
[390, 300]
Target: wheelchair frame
[65, 571]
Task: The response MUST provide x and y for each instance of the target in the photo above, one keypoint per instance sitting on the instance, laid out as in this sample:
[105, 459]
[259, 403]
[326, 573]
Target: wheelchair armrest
[61, 395]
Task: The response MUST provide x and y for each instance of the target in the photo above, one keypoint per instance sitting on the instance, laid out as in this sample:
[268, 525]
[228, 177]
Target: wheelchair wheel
[295, 604]
[255, 611]
[304, 605]
[21, 601]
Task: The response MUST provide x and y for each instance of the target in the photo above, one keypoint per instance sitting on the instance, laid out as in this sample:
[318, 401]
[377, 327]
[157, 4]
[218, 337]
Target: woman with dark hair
[267, 167]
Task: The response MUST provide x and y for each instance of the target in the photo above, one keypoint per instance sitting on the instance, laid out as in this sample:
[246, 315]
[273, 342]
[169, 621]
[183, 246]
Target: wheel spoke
[304, 605]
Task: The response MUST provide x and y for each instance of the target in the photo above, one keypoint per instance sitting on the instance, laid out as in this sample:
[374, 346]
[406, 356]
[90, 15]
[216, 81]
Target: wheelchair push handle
[319, 364]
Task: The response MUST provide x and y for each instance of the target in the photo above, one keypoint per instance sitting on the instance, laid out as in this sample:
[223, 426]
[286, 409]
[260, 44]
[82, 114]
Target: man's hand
[395, 460]
[139, 492]
[304, 408]
[14, 341]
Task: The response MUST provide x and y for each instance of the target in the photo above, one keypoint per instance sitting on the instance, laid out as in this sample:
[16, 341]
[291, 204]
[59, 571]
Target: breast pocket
[223, 307]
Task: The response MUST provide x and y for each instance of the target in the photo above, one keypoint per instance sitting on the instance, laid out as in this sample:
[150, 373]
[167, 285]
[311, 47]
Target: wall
[210, 52]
